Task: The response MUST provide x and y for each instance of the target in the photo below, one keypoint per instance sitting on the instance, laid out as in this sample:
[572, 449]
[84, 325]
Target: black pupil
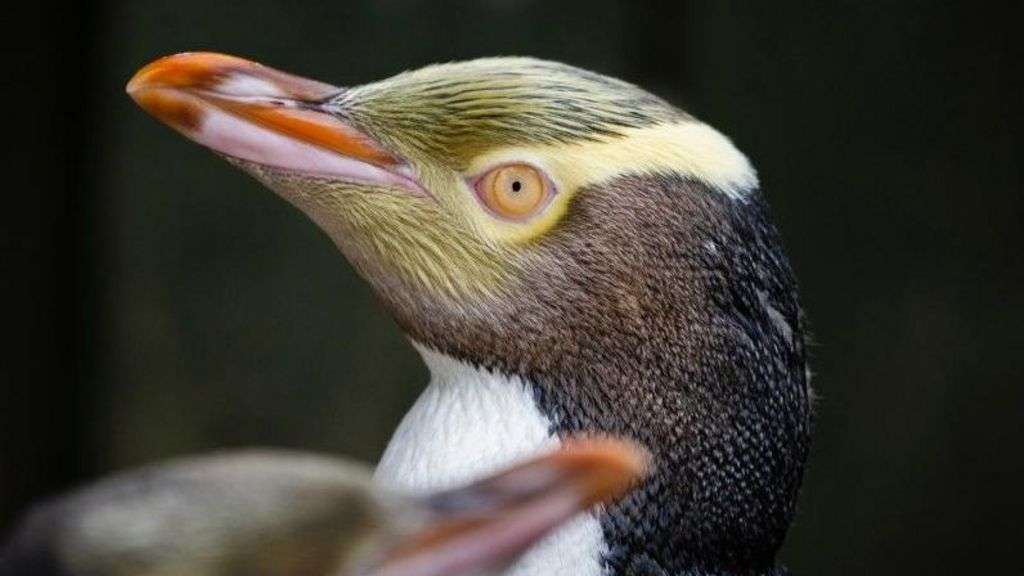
[516, 186]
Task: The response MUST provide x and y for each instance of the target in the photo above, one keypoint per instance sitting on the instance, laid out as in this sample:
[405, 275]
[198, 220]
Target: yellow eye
[515, 191]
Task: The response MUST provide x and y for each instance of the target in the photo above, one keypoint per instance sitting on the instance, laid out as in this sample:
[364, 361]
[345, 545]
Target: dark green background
[161, 302]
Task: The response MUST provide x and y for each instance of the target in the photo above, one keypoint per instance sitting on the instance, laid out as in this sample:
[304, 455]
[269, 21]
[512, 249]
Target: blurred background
[159, 302]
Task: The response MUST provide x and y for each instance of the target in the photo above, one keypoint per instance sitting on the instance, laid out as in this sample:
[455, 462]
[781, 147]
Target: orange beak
[254, 113]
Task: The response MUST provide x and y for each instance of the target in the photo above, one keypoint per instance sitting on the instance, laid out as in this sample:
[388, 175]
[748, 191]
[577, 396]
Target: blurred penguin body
[280, 513]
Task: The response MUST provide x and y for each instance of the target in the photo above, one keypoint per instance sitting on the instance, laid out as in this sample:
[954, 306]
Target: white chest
[469, 423]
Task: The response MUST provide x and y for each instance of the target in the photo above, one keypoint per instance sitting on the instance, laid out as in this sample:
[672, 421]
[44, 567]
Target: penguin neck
[468, 423]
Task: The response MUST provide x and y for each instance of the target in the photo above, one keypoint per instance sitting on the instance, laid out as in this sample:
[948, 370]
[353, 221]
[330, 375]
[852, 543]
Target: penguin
[570, 254]
[288, 513]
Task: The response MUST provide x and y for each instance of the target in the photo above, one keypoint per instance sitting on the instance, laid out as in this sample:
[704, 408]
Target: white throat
[469, 423]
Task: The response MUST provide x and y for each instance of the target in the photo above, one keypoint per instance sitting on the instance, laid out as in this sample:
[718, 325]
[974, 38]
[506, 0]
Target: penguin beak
[485, 525]
[247, 111]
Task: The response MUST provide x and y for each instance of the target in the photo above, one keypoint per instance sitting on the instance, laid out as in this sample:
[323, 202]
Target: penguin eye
[514, 191]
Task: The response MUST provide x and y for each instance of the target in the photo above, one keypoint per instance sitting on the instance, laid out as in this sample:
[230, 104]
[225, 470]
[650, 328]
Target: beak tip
[626, 457]
[133, 85]
[615, 466]
[138, 81]
[159, 87]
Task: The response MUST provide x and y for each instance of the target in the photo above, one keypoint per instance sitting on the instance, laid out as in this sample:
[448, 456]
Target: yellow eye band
[514, 191]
